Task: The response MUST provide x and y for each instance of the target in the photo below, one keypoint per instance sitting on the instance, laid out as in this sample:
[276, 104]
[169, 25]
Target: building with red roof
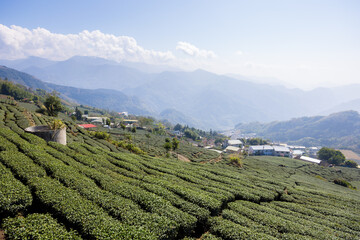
[86, 126]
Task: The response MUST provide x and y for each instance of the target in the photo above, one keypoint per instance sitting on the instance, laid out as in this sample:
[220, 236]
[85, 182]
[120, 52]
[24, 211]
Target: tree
[108, 121]
[144, 121]
[78, 114]
[53, 105]
[178, 127]
[122, 126]
[331, 156]
[175, 144]
[167, 146]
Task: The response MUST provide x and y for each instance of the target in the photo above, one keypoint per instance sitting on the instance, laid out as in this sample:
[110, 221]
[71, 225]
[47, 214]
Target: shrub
[344, 183]
[100, 135]
[236, 160]
[37, 226]
[351, 164]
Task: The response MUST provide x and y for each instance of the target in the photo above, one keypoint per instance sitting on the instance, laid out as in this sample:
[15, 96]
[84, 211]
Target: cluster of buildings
[280, 150]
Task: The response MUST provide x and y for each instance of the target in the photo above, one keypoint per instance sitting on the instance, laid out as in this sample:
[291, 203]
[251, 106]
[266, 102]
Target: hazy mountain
[87, 72]
[174, 116]
[22, 64]
[350, 105]
[147, 68]
[211, 100]
[341, 130]
[262, 80]
[220, 102]
[90, 73]
[101, 98]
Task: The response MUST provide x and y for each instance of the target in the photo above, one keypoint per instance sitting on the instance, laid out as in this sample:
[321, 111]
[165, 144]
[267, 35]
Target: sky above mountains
[301, 43]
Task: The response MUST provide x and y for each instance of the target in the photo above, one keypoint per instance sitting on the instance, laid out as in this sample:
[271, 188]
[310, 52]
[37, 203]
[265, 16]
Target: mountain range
[338, 130]
[198, 98]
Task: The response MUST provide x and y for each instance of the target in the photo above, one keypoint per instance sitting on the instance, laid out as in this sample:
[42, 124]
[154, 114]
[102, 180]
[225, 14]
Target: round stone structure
[48, 134]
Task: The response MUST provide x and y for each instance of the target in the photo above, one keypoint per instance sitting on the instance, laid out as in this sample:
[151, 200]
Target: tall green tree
[78, 114]
[53, 105]
[175, 144]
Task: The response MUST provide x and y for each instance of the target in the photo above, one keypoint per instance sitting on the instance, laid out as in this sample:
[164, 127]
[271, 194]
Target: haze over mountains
[199, 98]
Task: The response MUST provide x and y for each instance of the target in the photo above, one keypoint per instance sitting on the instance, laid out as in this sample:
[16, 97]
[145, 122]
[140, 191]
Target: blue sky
[301, 43]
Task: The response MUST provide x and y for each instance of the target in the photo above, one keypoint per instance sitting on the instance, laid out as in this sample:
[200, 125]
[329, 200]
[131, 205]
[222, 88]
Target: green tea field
[92, 189]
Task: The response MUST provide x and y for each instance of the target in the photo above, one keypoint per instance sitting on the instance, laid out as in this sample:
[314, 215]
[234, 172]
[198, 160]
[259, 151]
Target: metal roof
[261, 147]
[281, 149]
[233, 149]
[234, 142]
[309, 159]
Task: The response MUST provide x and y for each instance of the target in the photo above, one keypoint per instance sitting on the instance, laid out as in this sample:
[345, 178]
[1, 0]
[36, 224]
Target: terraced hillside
[90, 189]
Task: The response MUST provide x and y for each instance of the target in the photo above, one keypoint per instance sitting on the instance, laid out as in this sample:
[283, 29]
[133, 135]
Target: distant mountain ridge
[210, 100]
[339, 130]
[101, 98]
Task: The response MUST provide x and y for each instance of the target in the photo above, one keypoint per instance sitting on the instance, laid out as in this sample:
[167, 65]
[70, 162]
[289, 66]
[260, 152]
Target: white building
[281, 151]
[261, 150]
[312, 151]
[231, 149]
[234, 143]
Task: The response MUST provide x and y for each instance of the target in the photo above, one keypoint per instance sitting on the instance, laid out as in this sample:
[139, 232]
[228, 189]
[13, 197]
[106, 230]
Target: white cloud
[18, 42]
[239, 53]
[193, 51]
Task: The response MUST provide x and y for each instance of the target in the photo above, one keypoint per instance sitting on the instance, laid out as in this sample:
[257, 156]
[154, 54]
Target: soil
[2, 235]
[183, 158]
[350, 155]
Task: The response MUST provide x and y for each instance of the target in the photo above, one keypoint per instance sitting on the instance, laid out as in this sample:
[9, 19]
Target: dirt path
[214, 160]
[182, 157]
[30, 119]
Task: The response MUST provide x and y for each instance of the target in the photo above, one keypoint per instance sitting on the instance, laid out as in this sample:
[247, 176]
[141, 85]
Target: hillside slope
[340, 130]
[90, 189]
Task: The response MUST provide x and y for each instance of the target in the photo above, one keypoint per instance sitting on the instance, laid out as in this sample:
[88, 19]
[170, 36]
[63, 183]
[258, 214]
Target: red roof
[87, 125]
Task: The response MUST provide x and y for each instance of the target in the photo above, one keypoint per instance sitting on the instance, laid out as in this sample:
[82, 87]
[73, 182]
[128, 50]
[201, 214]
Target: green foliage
[133, 129]
[14, 196]
[17, 91]
[100, 135]
[146, 121]
[254, 141]
[56, 124]
[343, 183]
[191, 134]
[175, 144]
[331, 156]
[37, 226]
[351, 164]
[53, 105]
[78, 114]
[236, 160]
[167, 146]
[178, 127]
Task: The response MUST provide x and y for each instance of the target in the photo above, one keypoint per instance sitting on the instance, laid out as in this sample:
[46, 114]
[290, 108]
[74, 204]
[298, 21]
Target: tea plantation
[92, 189]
